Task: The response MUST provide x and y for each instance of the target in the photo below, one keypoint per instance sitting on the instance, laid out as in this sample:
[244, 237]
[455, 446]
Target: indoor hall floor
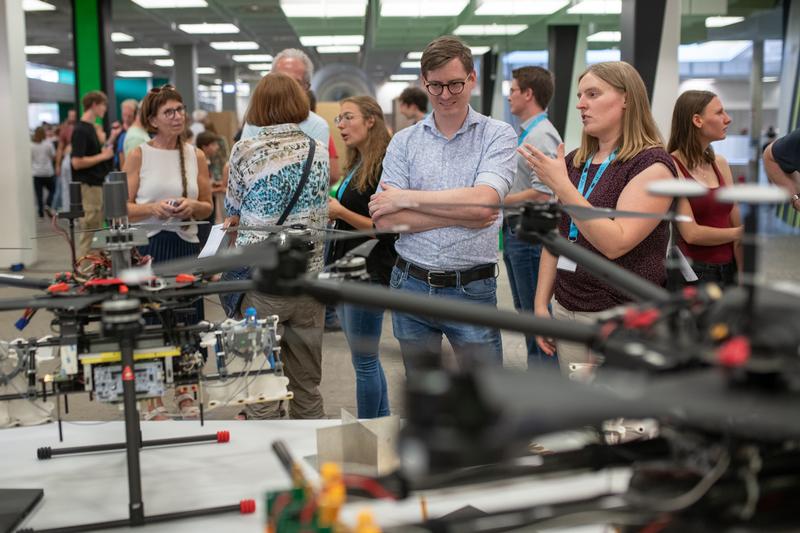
[779, 261]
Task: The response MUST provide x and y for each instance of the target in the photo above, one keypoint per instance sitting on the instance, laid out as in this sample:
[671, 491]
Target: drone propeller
[676, 188]
[333, 234]
[579, 212]
[13, 280]
[146, 226]
[52, 302]
[752, 194]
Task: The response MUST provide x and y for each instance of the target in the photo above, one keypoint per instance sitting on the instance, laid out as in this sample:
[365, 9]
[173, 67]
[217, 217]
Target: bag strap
[302, 184]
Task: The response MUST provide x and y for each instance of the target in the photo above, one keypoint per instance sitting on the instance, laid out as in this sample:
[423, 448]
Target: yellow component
[719, 331]
[139, 355]
[366, 523]
[333, 494]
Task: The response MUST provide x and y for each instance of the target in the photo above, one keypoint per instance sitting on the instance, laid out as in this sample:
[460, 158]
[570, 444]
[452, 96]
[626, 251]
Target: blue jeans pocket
[397, 278]
[481, 289]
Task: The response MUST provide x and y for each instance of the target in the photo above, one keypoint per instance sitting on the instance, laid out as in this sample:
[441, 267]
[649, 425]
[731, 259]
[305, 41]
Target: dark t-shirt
[382, 258]
[786, 152]
[85, 143]
[582, 291]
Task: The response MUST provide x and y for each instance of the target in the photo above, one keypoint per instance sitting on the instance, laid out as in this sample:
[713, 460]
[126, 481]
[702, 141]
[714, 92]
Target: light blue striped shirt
[482, 152]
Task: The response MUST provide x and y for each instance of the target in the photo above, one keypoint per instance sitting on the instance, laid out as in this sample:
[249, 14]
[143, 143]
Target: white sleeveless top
[160, 179]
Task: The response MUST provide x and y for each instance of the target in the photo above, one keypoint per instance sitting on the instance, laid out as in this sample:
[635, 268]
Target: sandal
[156, 414]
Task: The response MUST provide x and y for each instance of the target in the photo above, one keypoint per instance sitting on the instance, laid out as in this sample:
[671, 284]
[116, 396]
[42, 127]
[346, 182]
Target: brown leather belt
[447, 278]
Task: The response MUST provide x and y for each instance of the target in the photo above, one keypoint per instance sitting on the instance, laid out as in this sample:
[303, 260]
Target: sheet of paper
[215, 239]
[686, 269]
[565, 263]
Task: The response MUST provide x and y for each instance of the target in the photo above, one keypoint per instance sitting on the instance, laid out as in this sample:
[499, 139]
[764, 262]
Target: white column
[574, 126]
[665, 89]
[17, 211]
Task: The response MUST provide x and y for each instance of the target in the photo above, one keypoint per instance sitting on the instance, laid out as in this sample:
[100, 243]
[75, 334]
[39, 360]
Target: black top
[382, 258]
[85, 143]
[786, 152]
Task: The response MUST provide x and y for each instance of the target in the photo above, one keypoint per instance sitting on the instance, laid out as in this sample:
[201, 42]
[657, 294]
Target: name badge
[565, 263]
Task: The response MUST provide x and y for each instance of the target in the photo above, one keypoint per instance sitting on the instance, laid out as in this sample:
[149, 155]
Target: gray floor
[779, 261]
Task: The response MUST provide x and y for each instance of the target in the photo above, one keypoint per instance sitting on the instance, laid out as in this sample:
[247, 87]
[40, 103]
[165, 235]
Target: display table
[91, 488]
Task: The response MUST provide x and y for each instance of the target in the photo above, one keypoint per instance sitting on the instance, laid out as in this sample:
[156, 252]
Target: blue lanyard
[346, 181]
[532, 125]
[573, 229]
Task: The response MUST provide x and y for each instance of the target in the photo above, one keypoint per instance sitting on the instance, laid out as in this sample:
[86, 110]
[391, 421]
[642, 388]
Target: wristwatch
[795, 197]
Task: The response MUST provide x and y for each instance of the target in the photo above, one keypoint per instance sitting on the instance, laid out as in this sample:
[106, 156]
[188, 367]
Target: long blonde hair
[639, 130]
[371, 156]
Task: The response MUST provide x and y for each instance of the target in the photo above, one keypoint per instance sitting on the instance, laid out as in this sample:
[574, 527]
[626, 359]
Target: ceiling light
[234, 45]
[596, 7]
[206, 28]
[479, 50]
[330, 40]
[339, 49]
[205, 70]
[37, 5]
[144, 52]
[403, 77]
[410, 64]
[520, 7]
[711, 51]
[119, 37]
[719, 22]
[170, 4]
[40, 49]
[164, 62]
[416, 56]
[260, 66]
[323, 8]
[251, 58]
[422, 8]
[490, 29]
[605, 37]
[134, 74]
[769, 79]
[264, 72]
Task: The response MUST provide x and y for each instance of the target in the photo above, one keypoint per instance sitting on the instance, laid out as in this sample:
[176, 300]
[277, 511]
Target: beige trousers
[92, 197]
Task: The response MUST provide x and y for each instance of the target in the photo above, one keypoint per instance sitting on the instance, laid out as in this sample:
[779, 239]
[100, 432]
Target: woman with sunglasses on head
[363, 129]
[712, 238]
[168, 181]
[621, 153]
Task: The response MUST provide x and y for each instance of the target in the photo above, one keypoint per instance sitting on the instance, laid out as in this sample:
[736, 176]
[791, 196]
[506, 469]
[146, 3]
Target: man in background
[530, 93]
[413, 104]
[91, 162]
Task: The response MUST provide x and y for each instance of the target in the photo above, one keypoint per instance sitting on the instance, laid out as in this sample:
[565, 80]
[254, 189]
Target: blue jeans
[420, 337]
[362, 327]
[522, 264]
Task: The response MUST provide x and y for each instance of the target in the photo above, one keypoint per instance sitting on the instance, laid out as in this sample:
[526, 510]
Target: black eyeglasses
[171, 112]
[454, 87]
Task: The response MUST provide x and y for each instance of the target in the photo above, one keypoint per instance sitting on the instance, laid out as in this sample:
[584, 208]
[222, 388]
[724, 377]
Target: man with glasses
[438, 176]
[530, 93]
[298, 66]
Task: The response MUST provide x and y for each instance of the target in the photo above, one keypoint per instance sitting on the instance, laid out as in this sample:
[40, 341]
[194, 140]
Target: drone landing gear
[122, 318]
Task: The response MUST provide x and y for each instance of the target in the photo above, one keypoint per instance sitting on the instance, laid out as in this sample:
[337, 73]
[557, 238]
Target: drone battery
[149, 381]
[115, 199]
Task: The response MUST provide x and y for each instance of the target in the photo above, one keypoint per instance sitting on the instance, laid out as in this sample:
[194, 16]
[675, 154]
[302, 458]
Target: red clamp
[103, 282]
[247, 506]
[735, 352]
[635, 319]
[58, 287]
[223, 437]
[185, 278]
